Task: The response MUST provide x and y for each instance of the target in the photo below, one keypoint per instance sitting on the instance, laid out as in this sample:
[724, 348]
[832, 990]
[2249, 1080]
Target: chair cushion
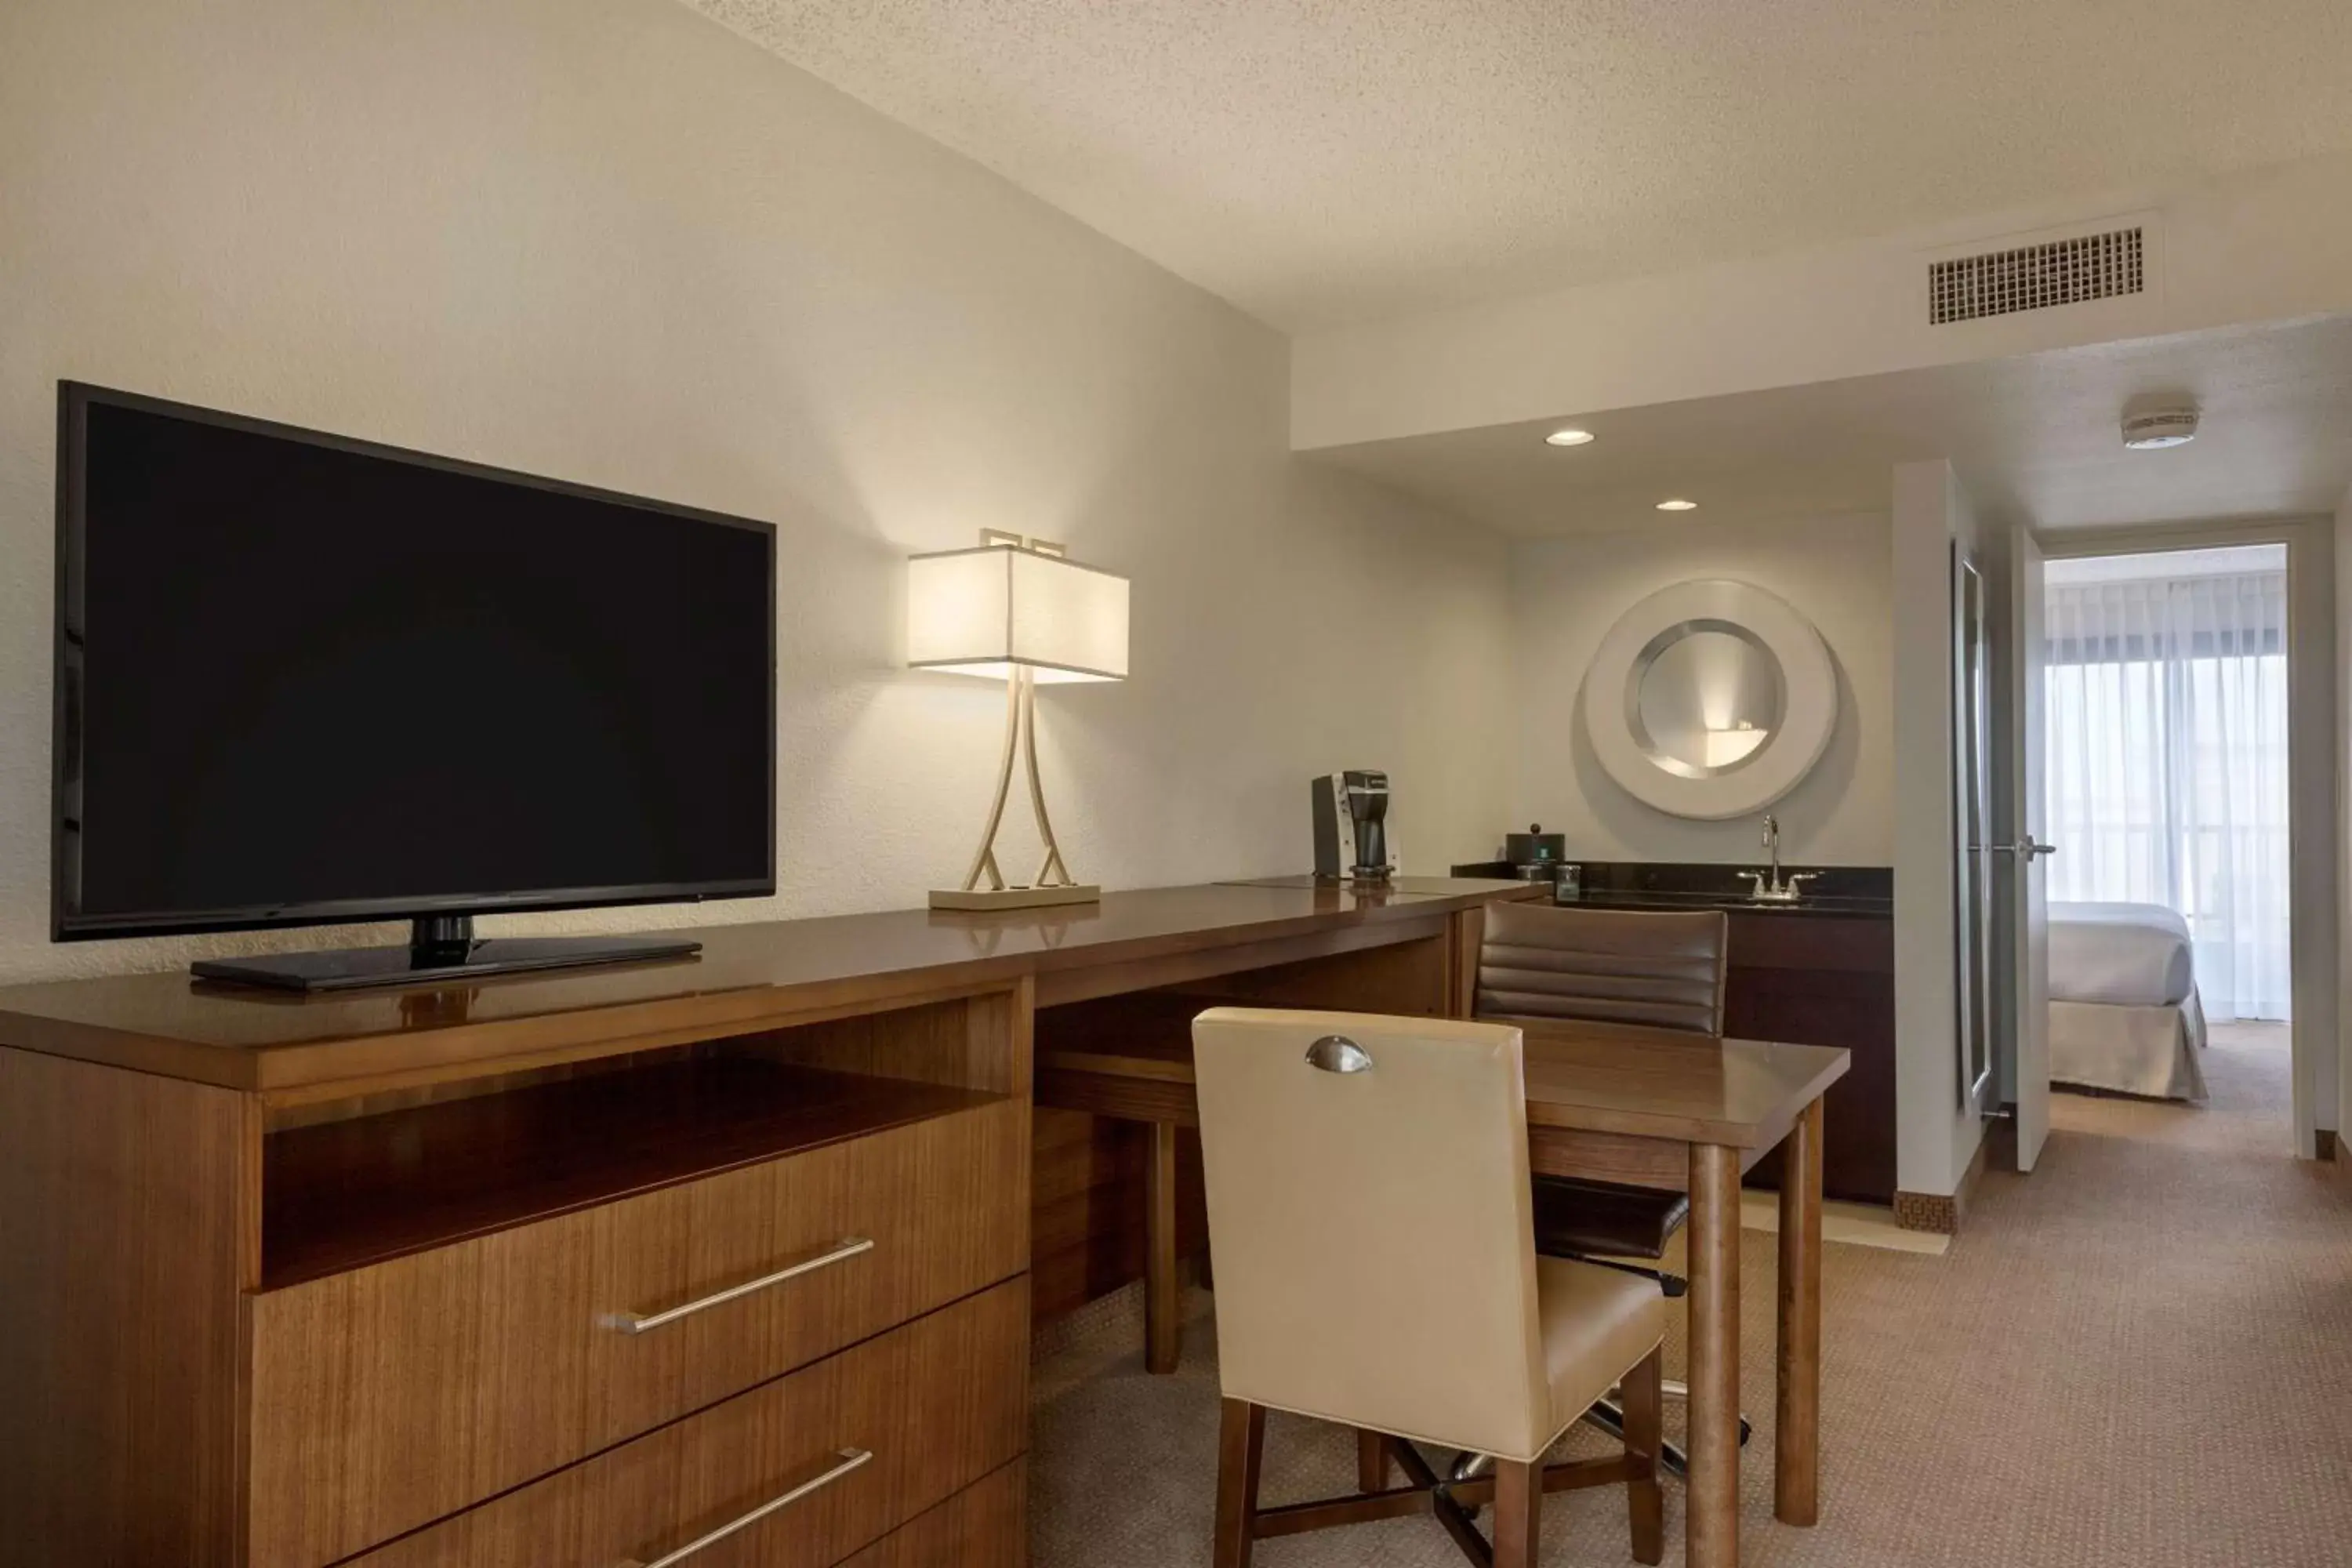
[1598, 1324]
[1604, 1219]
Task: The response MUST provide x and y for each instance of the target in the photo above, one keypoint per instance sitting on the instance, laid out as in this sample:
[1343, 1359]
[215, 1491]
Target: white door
[2029, 817]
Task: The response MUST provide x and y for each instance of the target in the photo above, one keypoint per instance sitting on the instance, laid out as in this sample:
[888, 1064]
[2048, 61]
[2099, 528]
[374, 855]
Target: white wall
[606, 241]
[1567, 593]
[2343, 623]
[2259, 245]
[1935, 1138]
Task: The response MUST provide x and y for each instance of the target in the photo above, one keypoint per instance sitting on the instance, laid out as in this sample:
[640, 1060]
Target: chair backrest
[1370, 1215]
[1542, 961]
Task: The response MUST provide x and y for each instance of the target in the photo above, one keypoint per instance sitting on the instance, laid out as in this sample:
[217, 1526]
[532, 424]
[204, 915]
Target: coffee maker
[1351, 841]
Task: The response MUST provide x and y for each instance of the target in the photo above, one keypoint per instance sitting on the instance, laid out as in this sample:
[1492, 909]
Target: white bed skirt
[2150, 1051]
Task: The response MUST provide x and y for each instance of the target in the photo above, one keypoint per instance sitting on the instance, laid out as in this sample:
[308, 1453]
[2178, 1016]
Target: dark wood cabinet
[1826, 980]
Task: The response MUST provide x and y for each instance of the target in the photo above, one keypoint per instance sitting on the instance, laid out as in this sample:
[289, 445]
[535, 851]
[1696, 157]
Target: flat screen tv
[302, 678]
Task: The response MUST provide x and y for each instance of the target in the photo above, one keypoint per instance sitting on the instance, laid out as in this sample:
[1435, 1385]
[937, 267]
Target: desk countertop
[249, 1038]
[1596, 1078]
[1658, 1083]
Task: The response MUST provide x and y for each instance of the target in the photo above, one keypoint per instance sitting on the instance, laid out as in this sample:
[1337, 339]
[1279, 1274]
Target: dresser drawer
[396, 1394]
[823, 1462]
[986, 1525]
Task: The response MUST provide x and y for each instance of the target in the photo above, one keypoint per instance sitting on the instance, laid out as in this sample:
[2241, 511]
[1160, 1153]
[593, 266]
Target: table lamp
[1015, 610]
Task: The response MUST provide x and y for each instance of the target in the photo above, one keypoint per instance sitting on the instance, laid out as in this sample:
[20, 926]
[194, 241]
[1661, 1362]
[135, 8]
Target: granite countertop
[1852, 892]
[1810, 904]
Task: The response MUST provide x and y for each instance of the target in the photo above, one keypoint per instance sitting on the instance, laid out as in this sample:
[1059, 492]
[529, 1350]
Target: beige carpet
[2139, 1356]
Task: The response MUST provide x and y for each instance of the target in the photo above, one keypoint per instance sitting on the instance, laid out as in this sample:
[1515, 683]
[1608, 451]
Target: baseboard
[1939, 1213]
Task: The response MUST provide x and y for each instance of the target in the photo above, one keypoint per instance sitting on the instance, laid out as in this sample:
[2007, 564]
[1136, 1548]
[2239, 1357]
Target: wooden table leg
[1163, 1316]
[1796, 1436]
[1711, 1506]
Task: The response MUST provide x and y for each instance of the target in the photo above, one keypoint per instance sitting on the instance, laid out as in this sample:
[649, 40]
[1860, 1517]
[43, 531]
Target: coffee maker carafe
[1351, 841]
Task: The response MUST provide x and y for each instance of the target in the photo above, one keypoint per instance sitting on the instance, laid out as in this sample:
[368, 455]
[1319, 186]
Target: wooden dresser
[724, 1261]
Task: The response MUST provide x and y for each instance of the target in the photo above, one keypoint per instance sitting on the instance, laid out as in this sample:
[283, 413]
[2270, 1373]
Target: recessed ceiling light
[1568, 438]
[1678, 504]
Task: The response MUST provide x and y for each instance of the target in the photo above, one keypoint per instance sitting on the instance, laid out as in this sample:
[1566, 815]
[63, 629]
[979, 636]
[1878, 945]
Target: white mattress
[2128, 955]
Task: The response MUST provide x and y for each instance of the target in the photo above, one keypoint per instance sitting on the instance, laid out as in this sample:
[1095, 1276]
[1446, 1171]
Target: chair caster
[1609, 1416]
[1468, 1467]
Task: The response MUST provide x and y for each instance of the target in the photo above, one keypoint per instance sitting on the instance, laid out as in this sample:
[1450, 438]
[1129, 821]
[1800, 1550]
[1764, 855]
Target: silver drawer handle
[632, 1323]
[851, 1458]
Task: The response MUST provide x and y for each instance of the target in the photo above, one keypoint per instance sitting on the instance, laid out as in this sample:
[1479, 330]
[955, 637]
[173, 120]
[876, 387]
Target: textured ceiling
[2036, 439]
[1323, 161]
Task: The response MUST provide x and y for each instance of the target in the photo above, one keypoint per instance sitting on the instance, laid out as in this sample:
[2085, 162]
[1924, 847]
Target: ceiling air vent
[2036, 276]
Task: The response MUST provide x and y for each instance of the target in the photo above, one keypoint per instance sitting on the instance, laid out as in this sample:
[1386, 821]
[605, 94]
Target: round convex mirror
[1710, 700]
[1705, 698]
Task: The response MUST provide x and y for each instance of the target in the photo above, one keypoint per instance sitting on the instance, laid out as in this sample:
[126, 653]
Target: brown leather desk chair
[1369, 1206]
[1664, 970]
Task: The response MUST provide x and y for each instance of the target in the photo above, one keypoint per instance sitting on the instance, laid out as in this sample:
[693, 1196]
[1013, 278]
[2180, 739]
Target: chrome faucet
[1774, 888]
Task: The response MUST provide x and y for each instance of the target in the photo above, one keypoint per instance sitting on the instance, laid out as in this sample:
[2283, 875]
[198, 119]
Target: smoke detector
[2151, 430]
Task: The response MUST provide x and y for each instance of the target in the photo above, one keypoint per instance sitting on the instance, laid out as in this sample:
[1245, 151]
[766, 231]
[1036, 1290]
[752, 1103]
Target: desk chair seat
[1601, 1219]
[1372, 1216]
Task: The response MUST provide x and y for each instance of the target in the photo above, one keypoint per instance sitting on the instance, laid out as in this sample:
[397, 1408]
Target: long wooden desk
[1649, 1107]
[592, 1228]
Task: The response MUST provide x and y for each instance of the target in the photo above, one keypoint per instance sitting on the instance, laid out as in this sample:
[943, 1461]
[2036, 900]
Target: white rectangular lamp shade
[987, 610]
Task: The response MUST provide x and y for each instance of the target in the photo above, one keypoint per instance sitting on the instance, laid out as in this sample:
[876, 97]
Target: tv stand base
[441, 948]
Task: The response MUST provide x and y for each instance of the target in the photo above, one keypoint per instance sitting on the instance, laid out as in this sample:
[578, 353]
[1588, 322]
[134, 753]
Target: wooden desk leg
[1163, 1313]
[1711, 1509]
[1796, 1436]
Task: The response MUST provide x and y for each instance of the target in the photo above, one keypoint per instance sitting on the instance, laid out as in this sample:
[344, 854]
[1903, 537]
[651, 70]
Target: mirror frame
[1809, 688]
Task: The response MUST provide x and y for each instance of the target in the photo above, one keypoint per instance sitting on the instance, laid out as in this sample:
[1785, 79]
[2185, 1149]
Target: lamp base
[1013, 897]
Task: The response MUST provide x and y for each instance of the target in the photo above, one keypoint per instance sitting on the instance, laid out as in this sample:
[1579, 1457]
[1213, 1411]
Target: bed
[2124, 1013]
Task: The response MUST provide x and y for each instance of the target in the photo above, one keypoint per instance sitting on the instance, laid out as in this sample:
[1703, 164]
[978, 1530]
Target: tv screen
[304, 679]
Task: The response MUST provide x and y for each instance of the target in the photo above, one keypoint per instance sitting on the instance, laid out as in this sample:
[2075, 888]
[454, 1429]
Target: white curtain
[2168, 761]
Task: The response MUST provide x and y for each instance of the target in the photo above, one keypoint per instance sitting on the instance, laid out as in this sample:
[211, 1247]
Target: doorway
[2167, 731]
[2188, 686]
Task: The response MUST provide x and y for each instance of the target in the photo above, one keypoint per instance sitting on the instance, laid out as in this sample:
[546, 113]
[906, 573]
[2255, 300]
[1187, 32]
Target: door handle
[2026, 848]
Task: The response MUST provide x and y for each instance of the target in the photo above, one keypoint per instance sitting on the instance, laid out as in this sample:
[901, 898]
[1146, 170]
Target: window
[2167, 754]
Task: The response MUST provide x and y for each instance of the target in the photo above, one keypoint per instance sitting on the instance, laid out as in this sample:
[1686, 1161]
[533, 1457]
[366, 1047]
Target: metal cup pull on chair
[1337, 1053]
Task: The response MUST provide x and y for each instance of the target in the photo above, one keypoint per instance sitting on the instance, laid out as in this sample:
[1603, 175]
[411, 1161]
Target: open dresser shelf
[342, 1195]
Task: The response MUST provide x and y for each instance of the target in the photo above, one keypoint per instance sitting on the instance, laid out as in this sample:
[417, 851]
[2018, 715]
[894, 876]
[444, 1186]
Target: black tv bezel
[75, 399]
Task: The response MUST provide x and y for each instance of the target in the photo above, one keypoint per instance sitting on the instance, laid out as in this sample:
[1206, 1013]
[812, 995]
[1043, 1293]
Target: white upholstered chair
[1370, 1212]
